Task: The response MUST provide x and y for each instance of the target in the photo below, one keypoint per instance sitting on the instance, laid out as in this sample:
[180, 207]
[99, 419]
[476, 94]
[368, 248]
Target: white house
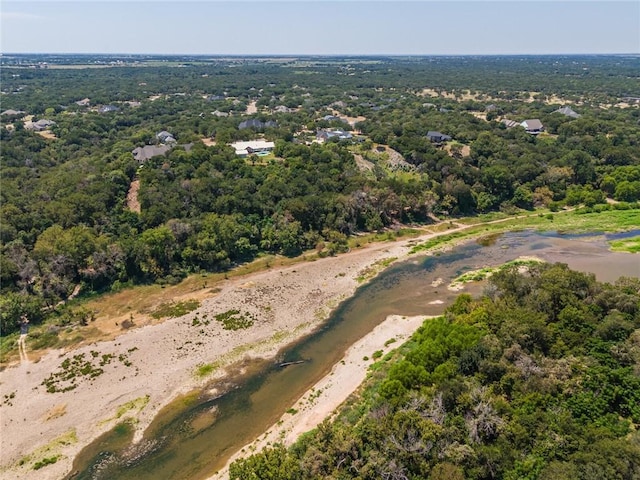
[257, 147]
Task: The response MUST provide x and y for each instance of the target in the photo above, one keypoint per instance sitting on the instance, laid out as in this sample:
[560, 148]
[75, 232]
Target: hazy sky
[320, 27]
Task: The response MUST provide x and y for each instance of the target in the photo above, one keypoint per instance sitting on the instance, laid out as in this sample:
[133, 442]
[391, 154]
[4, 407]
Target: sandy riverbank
[145, 368]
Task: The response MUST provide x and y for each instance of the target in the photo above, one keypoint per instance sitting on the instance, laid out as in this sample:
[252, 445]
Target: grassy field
[576, 221]
[631, 245]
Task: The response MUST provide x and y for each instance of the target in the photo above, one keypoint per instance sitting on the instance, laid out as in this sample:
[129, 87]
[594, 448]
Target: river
[193, 437]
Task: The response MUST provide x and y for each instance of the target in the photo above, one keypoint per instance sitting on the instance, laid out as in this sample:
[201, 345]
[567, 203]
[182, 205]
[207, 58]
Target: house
[142, 154]
[324, 135]
[253, 147]
[257, 124]
[490, 108]
[40, 125]
[85, 102]
[165, 137]
[218, 113]
[283, 109]
[568, 111]
[533, 126]
[108, 109]
[437, 137]
[12, 112]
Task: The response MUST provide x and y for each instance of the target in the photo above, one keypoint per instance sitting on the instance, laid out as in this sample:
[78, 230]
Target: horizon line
[340, 55]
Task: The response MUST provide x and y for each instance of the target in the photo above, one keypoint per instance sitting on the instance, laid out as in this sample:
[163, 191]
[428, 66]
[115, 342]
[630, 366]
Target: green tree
[273, 463]
[156, 250]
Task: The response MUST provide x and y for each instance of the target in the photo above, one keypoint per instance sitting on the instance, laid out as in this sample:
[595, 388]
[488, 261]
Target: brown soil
[363, 165]
[47, 134]
[251, 108]
[132, 197]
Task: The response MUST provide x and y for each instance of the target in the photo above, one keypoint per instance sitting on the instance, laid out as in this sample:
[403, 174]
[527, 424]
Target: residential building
[12, 112]
[40, 125]
[324, 135]
[165, 137]
[437, 137]
[532, 126]
[108, 109]
[142, 154]
[253, 147]
[568, 111]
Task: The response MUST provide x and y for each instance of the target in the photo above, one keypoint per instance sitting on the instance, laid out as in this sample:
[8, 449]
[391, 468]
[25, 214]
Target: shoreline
[321, 401]
[160, 361]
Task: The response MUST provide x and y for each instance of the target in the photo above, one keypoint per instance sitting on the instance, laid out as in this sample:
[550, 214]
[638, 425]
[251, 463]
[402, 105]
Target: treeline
[200, 211]
[538, 379]
[606, 78]
[63, 215]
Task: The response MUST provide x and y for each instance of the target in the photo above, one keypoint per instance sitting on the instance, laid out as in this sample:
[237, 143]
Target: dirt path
[132, 197]
[22, 349]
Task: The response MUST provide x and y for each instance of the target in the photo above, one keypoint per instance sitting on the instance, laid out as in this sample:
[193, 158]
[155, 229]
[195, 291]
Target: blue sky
[347, 27]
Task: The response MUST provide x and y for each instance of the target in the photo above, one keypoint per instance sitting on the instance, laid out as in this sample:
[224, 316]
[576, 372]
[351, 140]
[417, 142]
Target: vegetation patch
[631, 245]
[8, 399]
[375, 268]
[486, 272]
[134, 406]
[45, 461]
[439, 241]
[175, 309]
[235, 320]
[80, 367]
[204, 370]
[49, 453]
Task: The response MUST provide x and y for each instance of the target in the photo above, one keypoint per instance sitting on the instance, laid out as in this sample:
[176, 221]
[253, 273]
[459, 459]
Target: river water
[193, 437]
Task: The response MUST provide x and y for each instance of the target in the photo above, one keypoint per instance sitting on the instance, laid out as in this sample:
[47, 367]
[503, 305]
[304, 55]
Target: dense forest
[537, 379]
[66, 223]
